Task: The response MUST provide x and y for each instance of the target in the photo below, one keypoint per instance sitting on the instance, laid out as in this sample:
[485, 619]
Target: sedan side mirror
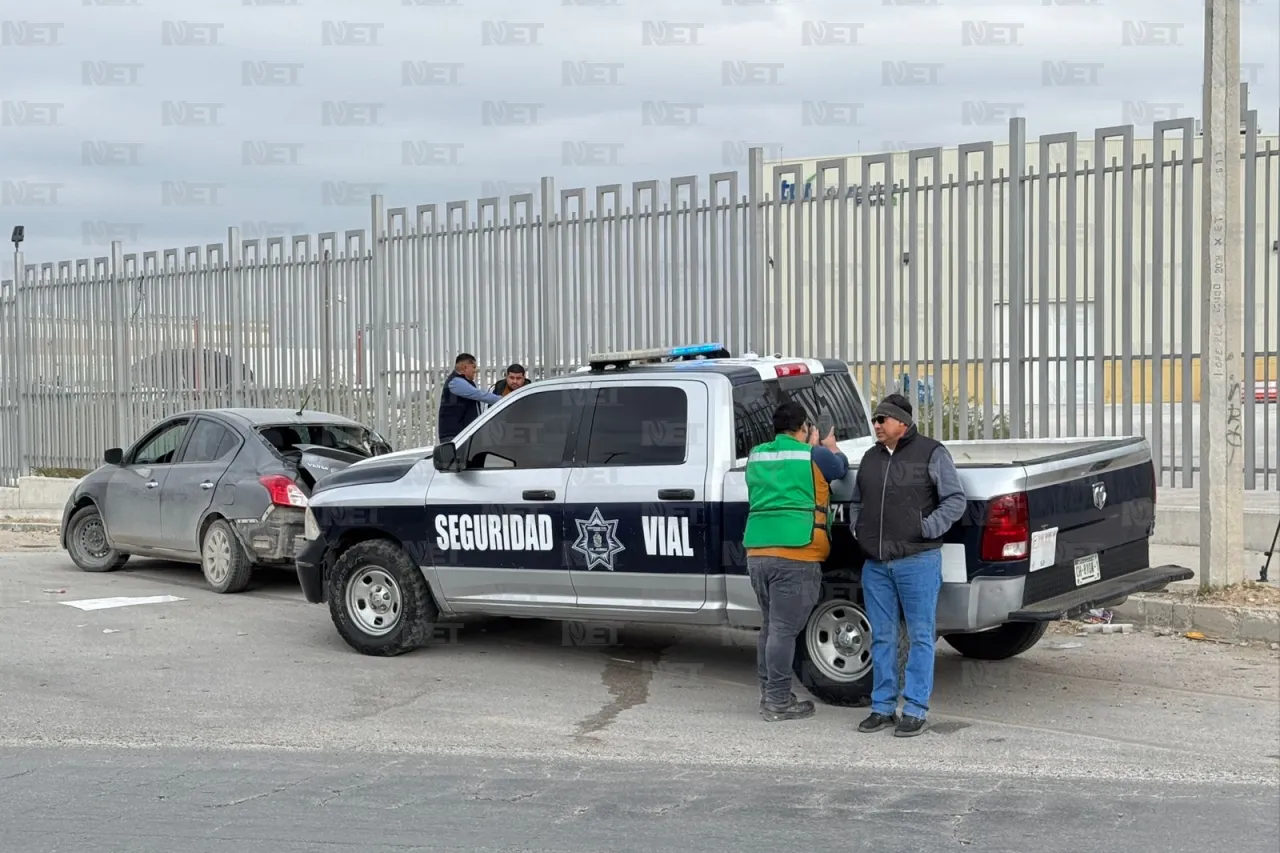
[113, 456]
[445, 456]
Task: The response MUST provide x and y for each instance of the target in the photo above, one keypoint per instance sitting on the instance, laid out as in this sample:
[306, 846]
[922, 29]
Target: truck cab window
[530, 433]
[639, 426]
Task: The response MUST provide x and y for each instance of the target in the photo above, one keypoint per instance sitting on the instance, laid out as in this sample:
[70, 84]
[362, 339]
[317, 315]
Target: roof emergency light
[656, 354]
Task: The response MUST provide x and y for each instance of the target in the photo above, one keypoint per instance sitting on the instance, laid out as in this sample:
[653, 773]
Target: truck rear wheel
[833, 652]
[379, 601]
[1009, 640]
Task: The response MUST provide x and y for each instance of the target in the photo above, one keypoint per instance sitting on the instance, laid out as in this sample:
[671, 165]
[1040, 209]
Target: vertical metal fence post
[235, 302]
[755, 302]
[378, 295]
[121, 330]
[549, 281]
[21, 362]
[1015, 239]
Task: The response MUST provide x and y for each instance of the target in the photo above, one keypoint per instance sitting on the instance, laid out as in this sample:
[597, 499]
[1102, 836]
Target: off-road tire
[239, 569]
[369, 565]
[1009, 640]
[84, 521]
[842, 593]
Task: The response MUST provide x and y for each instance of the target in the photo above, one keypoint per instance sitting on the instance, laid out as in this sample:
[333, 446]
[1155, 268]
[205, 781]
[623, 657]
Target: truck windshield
[754, 404]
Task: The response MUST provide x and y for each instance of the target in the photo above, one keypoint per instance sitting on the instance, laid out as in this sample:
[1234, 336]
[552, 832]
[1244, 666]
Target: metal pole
[122, 329]
[757, 302]
[23, 360]
[1222, 305]
[379, 293]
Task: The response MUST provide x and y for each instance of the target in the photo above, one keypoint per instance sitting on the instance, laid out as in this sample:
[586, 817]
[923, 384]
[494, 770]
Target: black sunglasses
[879, 419]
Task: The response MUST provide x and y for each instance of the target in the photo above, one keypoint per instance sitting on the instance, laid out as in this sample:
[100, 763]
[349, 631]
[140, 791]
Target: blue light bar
[695, 349]
[655, 354]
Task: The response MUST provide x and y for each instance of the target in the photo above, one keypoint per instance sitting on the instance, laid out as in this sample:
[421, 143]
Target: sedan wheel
[87, 542]
[226, 566]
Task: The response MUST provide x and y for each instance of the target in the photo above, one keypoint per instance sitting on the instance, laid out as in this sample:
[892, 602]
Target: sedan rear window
[352, 439]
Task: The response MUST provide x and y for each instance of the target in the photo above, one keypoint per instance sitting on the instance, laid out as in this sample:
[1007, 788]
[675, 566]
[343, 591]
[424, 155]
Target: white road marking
[120, 601]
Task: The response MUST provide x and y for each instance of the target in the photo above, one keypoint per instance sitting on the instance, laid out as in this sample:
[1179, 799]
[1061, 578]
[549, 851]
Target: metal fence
[1068, 307]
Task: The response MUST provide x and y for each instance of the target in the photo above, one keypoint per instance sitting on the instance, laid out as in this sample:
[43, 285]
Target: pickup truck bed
[651, 530]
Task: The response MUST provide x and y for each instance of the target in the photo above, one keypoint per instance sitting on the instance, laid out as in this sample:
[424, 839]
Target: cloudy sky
[163, 122]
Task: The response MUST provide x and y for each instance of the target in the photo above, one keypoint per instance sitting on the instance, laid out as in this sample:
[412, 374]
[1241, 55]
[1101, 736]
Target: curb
[29, 526]
[1218, 621]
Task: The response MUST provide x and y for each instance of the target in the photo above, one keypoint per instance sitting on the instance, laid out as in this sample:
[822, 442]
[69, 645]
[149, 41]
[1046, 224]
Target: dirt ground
[26, 540]
[1247, 594]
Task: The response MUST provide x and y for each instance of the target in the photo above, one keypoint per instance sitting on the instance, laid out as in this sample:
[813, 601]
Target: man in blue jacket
[460, 401]
[906, 497]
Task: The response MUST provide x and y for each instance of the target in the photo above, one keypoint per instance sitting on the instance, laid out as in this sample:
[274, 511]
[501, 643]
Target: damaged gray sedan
[224, 488]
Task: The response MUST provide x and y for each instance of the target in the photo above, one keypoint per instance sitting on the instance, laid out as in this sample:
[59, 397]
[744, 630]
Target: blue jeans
[912, 585]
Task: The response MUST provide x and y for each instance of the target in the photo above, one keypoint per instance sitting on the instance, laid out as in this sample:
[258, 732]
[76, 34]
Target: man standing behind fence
[906, 497]
[788, 535]
[461, 398]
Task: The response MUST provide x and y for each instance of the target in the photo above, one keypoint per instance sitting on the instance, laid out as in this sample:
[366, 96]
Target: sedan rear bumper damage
[270, 539]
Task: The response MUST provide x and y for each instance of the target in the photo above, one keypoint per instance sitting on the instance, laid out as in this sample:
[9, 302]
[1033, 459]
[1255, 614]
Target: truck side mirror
[113, 456]
[445, 456]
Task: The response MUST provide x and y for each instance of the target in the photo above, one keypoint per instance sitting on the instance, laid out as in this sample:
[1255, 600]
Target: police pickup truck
[617, 494]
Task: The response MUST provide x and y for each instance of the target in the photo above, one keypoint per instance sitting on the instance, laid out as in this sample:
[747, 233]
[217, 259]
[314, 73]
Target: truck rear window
[753, 406]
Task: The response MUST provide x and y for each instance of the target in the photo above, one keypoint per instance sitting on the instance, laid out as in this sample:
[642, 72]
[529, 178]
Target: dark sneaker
[795, 710]
[877, 721]
[910, 727]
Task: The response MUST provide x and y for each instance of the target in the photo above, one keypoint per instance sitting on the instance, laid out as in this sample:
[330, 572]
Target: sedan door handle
[153, 484]
[206, 485]
[675, 494]
[539, 495]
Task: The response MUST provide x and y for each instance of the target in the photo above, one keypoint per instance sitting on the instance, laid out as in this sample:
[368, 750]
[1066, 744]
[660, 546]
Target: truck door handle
[675, 494]
[206, 485]
[539, 495]
[152, 484]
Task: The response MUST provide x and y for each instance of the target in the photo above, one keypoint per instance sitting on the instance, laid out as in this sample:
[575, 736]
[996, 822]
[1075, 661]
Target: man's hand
[812, 436]
[829, 442]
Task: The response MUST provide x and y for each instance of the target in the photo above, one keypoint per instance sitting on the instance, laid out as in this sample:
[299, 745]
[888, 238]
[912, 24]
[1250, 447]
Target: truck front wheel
[1009, 640]
[833, 652]
[379, 601]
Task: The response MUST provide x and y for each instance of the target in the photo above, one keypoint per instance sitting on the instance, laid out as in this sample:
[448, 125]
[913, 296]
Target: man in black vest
[906, 497]
[460, 401]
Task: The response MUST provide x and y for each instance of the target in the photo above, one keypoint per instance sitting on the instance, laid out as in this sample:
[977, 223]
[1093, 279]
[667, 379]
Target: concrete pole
[1222, 306]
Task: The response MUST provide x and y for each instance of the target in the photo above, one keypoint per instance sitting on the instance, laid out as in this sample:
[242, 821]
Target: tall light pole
[21, 356]
[1222, 304]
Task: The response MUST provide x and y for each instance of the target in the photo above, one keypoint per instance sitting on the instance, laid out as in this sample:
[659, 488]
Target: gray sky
[163, 122]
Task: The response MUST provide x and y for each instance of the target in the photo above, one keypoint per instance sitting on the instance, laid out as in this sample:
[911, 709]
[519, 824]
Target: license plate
[1088, 570]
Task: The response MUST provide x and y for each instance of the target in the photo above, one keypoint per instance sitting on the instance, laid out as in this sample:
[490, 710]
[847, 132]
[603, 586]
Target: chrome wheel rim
[838, 639]
[374, 600]
[91, 537]
[217, 556]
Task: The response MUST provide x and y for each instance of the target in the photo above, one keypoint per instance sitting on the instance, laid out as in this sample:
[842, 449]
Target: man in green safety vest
[788, 536]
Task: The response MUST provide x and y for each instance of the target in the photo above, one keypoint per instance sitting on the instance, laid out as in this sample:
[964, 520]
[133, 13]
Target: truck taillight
[283, 491]
[1006, 535]
[791, 369]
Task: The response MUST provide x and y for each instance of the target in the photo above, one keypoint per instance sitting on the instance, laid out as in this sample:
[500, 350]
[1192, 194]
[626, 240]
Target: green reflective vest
[782, 497]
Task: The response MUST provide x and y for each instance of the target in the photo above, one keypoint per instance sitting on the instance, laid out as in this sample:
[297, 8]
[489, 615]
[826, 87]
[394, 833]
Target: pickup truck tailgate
[1089, 514]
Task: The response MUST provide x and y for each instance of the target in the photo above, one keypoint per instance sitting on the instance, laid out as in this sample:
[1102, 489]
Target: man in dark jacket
[513, 381]
[906, 497]
[460, 400]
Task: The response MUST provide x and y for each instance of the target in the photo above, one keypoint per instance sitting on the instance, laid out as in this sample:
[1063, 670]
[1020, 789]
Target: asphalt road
[221, 723]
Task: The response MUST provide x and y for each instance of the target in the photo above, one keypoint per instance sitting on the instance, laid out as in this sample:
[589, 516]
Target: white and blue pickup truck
[618, 494]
